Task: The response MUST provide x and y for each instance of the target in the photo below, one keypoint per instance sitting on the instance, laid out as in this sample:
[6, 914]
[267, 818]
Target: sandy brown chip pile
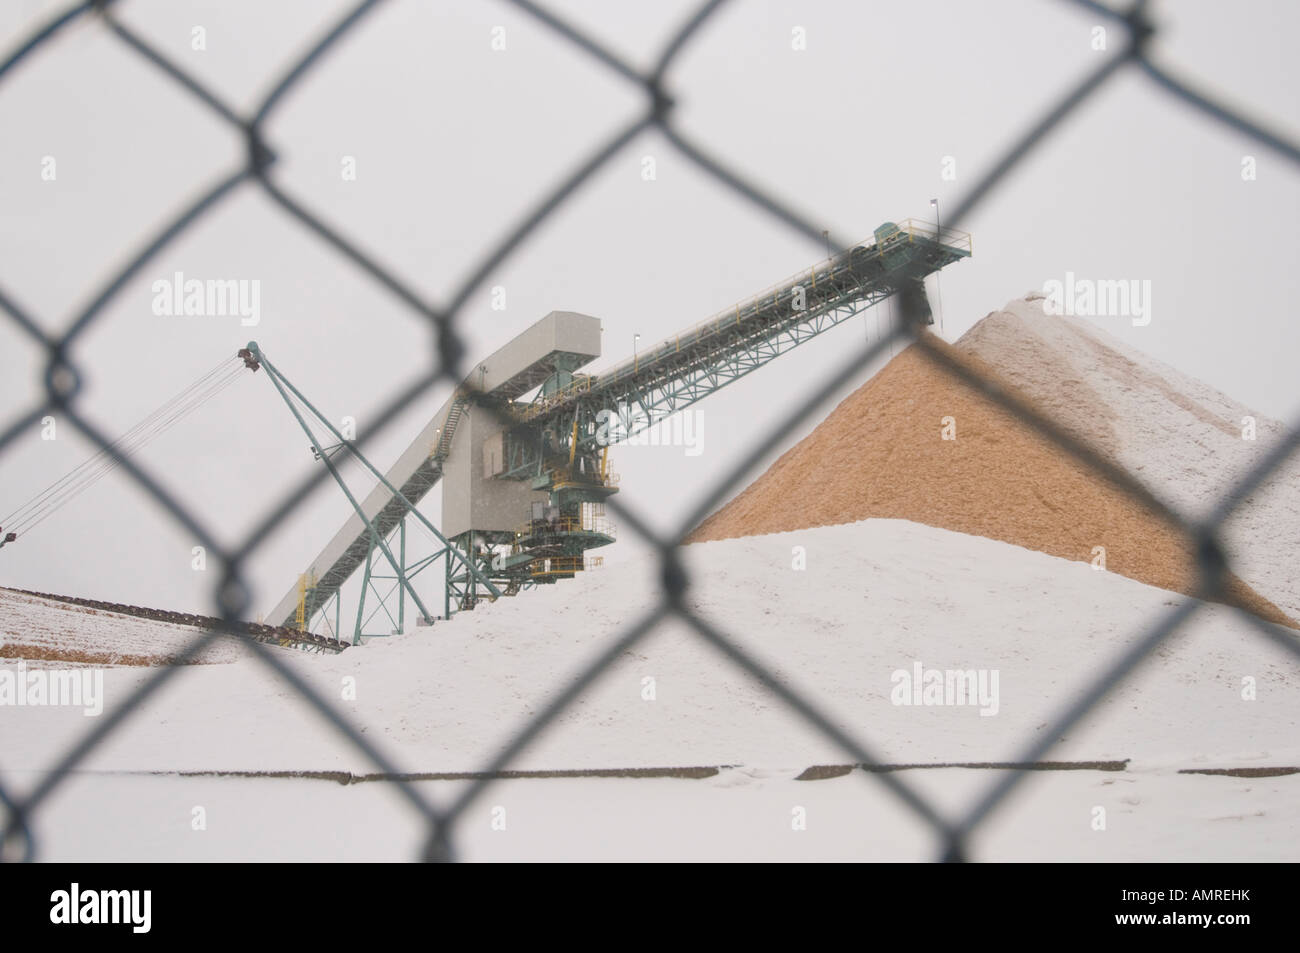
[880, 454]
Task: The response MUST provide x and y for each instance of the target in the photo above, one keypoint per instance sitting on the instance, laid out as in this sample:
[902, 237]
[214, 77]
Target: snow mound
[875, 598]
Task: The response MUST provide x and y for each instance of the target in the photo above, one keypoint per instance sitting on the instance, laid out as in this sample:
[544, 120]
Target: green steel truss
[410, 493]
[380, 529]
[688, 367]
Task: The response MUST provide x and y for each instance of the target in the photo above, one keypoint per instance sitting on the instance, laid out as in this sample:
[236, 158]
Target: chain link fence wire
[62, 384]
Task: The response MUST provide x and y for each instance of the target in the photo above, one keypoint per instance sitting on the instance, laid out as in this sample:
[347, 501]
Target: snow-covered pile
[873, 599]
[876, 598]
[917, 443]
[49, 632]
[1179, 436]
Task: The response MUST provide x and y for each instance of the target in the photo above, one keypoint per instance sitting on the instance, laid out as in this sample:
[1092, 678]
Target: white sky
[454, 142]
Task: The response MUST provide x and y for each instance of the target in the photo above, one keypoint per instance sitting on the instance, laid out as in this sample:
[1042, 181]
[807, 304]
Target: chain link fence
[232, 595]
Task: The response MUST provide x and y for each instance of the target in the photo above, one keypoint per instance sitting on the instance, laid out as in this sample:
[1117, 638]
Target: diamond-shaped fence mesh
[61, 381]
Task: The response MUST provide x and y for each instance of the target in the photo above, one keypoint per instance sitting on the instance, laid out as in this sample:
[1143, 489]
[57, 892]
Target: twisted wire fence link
[62, 384]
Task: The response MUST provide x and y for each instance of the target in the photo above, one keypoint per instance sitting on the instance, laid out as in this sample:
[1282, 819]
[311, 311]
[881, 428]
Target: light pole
[938, 236]
[636, 360]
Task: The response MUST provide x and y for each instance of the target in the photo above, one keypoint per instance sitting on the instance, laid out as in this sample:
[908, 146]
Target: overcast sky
[453, 141]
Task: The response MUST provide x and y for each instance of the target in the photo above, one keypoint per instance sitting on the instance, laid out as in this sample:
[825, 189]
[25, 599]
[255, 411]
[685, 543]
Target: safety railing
[556, 566]
[600, 525]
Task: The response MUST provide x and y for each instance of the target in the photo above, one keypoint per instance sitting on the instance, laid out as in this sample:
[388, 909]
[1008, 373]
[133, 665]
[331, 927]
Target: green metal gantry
[558, 441]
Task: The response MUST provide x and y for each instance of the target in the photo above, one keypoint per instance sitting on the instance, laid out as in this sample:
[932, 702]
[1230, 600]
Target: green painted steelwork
[686, 368]
[378, 530]
[559, 440]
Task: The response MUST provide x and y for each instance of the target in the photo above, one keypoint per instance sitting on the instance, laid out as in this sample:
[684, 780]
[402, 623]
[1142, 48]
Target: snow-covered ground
[1149, 814]
[875, 598]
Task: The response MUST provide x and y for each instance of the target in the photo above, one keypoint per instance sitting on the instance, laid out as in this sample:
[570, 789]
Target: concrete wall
[470, 501]
[524, 362]
[470, 498]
